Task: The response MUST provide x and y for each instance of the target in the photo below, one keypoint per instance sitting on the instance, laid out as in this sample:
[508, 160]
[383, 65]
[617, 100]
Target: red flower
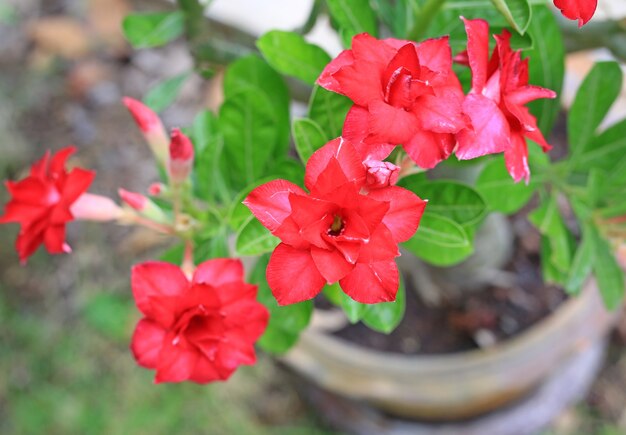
[341, 231]
[581, 10]
[200, 330]
[181, 157]
[404, 93]
[496, 103]
[41, 203]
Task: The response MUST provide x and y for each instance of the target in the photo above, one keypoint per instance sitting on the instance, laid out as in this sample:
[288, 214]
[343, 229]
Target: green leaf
[353, 17]
[153, 29]
[290, 54]
[452, 199]
[551, 274]
[333, 293]
[238, 213]
[518, 13]
[386, 316]
[285, 322]
[398, 16]
[163, 94]
[609, 275]
[439, 241]
[548, 220]
[593, 100]
[606, 151]
[209, 169]
[248, 123]
[354, 310]
[253, 72]
[547, 64]
[328, 110]
[582, 262]
[308, 137]
[215, 247]
[499, 190]
[254, 239]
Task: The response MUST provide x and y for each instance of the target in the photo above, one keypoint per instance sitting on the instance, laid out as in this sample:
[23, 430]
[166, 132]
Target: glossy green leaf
[353, 310]
[248, 123]
[238, 213]
[215, 247]
[254, 239]
[499, 190]
[546, 64]
[253, 72]
[518, 13]
[606, 151]
[582, 262]
[290, 54]
[608, 273]
[333, 293]
[593, 100]
[550, 273]
[353, 17]
[163, 94]
[386, 316]
[209, 169]
[286, 322]
[548, 220]
[439, 241]
[452, 199]
[328, 110]
[153, 29]
[308, 137]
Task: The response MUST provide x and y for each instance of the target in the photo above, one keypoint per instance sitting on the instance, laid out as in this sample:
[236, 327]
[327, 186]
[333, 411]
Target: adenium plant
[420, 85]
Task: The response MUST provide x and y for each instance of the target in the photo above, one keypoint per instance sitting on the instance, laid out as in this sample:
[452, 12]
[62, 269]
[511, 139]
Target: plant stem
[424, 18]
[311, 19]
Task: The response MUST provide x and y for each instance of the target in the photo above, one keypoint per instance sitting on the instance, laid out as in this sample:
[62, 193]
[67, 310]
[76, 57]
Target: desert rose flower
[496, 104]
[41, 203]
[404, 93]
[151, 126]
[340, 231]
[200, 329]
[180, 157]
[581, 10]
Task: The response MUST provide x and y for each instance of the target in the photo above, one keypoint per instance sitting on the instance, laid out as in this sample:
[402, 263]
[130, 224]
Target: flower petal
[219, 271]
[156, 279]
[516, 158]
[370, 283]
[346, 155]
[405, 211]
[581, 10]
[389, 124]
[490, 130]
[356, 130]
[147, 342]
[292, 275]
[427, 149]
[477, 51]
[270, 202]
[331, 263]
[175, 363]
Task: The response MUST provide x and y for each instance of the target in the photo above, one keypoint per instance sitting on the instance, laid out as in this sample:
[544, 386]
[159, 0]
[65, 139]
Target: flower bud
[156, 189]
[181, 157]
[151, 126]
[95, 208]
[142, 204]
[381, 174]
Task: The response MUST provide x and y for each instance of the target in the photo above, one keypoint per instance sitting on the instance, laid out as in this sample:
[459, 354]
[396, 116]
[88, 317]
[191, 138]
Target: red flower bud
[135, 200]
[380, 174]
[156, 189]
[151, 127]
[181, 156]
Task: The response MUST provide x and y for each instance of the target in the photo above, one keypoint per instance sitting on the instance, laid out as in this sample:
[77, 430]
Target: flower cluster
[407, 93]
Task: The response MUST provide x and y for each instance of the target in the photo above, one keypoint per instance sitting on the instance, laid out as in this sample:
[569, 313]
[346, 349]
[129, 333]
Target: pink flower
[380, 174]
[581, 10]
[496, 103]
[181, 156]
[42, 201]
[199, 330]
[404, 93]
[151, 126]
[340, 231]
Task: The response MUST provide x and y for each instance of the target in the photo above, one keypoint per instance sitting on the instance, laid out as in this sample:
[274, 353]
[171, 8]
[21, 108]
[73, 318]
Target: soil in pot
[472, 319]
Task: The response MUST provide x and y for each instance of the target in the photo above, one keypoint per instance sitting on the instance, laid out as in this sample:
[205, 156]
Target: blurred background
[66, 321]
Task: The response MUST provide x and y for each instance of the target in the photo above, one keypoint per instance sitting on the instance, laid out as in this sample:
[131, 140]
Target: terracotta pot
[458, 385]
